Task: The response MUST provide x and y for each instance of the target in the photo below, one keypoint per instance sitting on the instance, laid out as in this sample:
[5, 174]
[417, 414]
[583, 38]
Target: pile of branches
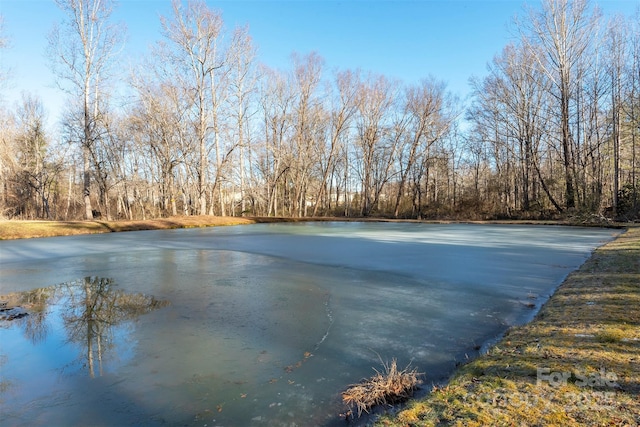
[384, 388]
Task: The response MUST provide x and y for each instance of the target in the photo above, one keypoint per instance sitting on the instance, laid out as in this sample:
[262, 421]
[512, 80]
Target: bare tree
[276, 103]
[628, 197]
[30, 170]
[81, 50]
[617, 47]
[374, 146]
[510, 113]
[157, 125]
[4, 43]
[194, 32]
[5, 144]
[429, 114]
[308, 127]
[31, 141]
[341, 115]
[243, 82]
[560, 34]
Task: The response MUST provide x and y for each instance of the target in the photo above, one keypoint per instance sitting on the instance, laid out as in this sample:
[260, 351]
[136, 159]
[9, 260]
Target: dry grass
[384, 388]
[19, 229]
[15, 229]
[590, 328]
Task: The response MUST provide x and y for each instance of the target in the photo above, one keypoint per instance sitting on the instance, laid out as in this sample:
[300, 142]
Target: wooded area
[552, 129]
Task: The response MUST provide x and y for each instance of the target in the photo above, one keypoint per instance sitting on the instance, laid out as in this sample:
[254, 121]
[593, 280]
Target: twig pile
[386, 388]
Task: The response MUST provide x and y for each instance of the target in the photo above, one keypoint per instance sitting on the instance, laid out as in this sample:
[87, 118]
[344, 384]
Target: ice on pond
[262, 324]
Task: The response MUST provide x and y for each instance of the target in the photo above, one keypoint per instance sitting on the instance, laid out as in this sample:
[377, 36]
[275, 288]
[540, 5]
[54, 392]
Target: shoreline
[28, 229]
[576, 363]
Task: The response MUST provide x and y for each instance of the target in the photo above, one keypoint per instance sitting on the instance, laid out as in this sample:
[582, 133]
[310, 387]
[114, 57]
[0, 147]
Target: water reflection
[92, 310]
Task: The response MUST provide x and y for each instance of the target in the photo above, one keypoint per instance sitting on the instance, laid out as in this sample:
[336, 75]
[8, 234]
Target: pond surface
[257, 325]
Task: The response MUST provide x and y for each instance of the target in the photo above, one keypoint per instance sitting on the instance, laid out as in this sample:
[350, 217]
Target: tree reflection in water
[90, 310]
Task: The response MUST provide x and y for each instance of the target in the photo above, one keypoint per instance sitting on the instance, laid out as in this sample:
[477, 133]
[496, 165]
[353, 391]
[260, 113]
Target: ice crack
[329, 313]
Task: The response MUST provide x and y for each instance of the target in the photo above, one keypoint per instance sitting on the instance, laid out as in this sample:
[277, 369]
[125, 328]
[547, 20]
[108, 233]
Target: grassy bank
[576, 364]
[18, 229]
[14, 229]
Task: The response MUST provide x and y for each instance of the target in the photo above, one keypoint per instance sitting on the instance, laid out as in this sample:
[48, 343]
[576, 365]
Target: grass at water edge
[577, 363]
[16, 229]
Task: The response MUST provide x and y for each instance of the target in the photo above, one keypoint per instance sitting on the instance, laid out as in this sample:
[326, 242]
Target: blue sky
[408, 40]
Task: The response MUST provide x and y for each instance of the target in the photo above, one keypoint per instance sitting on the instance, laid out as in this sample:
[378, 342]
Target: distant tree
[430, 115]
[31, 145]
[33, 173]
[6, 125]
[343, 109]
[194, 33]
[274, 160]
[8, 161]
[630, 123]
[4, 43]
[308, 122]
[509, 113]
[158, 131]
[618, 49]
[374, 146]
[243, 82]
[559, 36]
[81, 51]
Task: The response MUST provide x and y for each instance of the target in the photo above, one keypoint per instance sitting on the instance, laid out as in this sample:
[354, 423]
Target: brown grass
[16, 229]
[26, 229]
[384, 388]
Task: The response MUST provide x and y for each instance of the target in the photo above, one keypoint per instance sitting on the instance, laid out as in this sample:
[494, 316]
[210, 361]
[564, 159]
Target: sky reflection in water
[258, 325]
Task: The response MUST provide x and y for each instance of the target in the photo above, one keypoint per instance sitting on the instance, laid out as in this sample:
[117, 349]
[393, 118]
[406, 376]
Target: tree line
[552, 129]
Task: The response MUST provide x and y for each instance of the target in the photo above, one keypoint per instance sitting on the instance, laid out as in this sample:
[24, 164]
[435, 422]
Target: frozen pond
[257, 325]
